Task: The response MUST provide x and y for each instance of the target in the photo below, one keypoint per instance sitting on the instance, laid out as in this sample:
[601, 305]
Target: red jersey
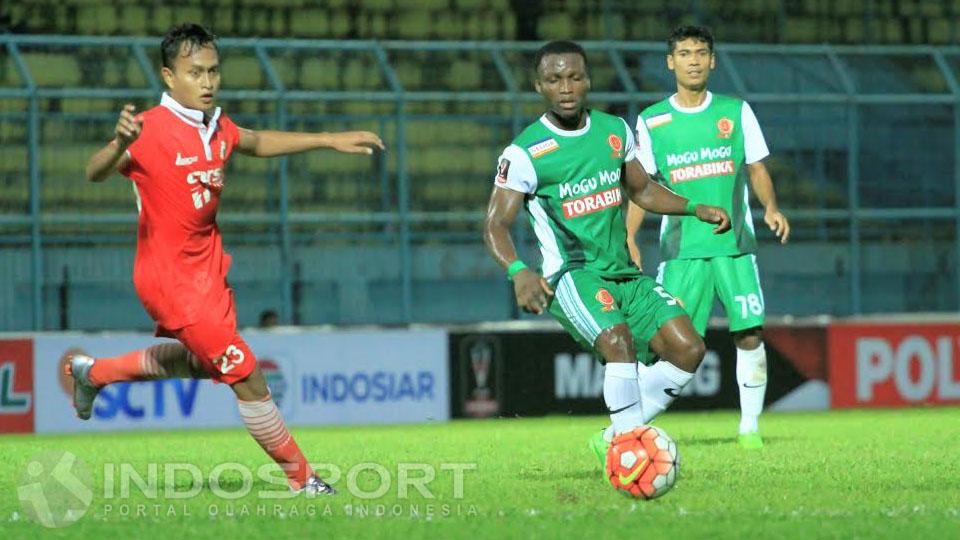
[177, 166]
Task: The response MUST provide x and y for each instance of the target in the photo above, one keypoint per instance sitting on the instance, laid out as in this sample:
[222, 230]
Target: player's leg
[692, 283]
[227, 357]
[689, 284]
[681, 350]
[738, 285]
[651, 311]
[229, 360]
[162, 361]
[587, 306]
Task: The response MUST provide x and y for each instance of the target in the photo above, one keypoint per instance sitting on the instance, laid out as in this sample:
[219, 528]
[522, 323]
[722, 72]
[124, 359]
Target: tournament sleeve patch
[659, 120]
[503, 168]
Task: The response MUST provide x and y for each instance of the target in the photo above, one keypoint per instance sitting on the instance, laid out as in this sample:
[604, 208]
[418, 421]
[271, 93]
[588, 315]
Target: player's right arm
[113, 156]
[531, 289]
[649, 195]
[634, 220]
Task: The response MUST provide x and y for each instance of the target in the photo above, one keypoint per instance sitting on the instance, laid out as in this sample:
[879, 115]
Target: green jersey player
[707, 146]
[569, 170]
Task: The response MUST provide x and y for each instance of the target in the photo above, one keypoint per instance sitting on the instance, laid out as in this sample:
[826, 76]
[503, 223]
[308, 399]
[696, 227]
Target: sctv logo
[153, 399]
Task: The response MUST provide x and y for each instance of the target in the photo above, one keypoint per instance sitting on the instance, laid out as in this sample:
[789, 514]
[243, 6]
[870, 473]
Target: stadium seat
[412, 24]
[464, 75]
[123, 71]
[319, 73]
[13, 159]
[242, 72]
[340, 25]
[135, 19]
[97, 18]
[52, 69]
[942, 31]
[800, 30]
[310, 24]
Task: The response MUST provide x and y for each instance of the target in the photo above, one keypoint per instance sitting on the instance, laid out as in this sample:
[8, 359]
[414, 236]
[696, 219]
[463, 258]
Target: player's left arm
[762, 186]
[755, 150]
[649, 195]
[266, 143]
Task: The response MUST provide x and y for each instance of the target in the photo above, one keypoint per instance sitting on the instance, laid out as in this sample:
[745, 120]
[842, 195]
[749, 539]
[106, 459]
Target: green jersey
[572, 184]
[701, 153]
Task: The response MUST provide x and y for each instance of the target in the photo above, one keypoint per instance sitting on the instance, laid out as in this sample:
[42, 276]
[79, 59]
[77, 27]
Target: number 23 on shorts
[232, 358]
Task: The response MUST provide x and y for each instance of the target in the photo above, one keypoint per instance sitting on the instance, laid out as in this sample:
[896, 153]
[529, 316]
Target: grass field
[853, 474]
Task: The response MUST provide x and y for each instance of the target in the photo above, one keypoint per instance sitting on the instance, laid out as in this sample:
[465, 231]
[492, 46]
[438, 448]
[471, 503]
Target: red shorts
[215, 341]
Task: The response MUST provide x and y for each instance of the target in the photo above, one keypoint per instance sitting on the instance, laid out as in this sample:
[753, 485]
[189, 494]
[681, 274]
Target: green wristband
[515, 267]
[691, 208]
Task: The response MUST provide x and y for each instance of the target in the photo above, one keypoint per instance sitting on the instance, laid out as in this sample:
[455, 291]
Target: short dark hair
[699, 33]
[194, 35]
[559, 47]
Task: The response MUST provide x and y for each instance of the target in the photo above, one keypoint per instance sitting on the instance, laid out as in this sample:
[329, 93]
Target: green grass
[852, 474]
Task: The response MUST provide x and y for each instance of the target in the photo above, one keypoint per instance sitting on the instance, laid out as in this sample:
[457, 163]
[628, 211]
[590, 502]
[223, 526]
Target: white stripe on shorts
[576, 312]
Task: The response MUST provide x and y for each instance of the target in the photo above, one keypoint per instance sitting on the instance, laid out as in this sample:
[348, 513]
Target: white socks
[752, 382]
[660, 385]
[622, 396]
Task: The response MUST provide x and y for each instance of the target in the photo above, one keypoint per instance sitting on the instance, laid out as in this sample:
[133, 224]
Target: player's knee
[748, 339]
[616, 344]
[690, 353]
[252, 387]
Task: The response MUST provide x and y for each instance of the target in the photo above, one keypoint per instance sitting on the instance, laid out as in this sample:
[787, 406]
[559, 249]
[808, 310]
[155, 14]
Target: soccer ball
[643, 462]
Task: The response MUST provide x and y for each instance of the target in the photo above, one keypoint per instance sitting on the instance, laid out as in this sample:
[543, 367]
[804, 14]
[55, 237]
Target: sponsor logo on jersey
[503, 168]
[725, 128]
[181, 161]
[701, 170]
[658, 120]
[543, 147]
[589, 185]
[212, 178]
[606, 299]
[692, 156]
[594, 202]
[616, 144]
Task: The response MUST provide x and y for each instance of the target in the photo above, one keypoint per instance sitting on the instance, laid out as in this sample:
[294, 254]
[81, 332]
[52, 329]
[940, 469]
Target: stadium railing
[847, 125]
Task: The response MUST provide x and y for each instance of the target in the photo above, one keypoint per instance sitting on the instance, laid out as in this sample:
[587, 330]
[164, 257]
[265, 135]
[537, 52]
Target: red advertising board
[16, 385]
[891, 365]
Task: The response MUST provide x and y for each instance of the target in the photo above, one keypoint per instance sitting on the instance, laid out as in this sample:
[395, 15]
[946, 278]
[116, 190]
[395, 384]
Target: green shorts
[587, 304]
[734, 280]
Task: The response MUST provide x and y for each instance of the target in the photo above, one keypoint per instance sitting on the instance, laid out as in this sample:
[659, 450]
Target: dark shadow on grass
[551, 476]
[714, 441]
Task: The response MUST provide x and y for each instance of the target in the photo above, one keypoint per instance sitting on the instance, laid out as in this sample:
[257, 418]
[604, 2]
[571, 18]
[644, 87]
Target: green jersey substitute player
[706, 146]
[569, 170]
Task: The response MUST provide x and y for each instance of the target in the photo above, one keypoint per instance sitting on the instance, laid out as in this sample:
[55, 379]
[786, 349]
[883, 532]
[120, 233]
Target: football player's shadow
[717, 441]
[549, 476]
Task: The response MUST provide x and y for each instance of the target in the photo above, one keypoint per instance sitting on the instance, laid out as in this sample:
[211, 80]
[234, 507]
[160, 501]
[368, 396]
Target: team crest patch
[725, 128]
[616, 143]
[543, 147]
[659, 120]
[503, 168]
[605, 298]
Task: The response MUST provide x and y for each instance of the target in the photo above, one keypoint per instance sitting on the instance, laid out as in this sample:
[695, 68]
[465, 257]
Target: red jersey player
[175, 155]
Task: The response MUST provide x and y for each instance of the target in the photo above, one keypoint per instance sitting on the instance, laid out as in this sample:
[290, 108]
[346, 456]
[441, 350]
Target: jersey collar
[564, 132]
[699, 108]
[190, 116]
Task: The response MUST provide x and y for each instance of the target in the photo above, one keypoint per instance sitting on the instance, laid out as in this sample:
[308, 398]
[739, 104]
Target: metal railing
[631, 77]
